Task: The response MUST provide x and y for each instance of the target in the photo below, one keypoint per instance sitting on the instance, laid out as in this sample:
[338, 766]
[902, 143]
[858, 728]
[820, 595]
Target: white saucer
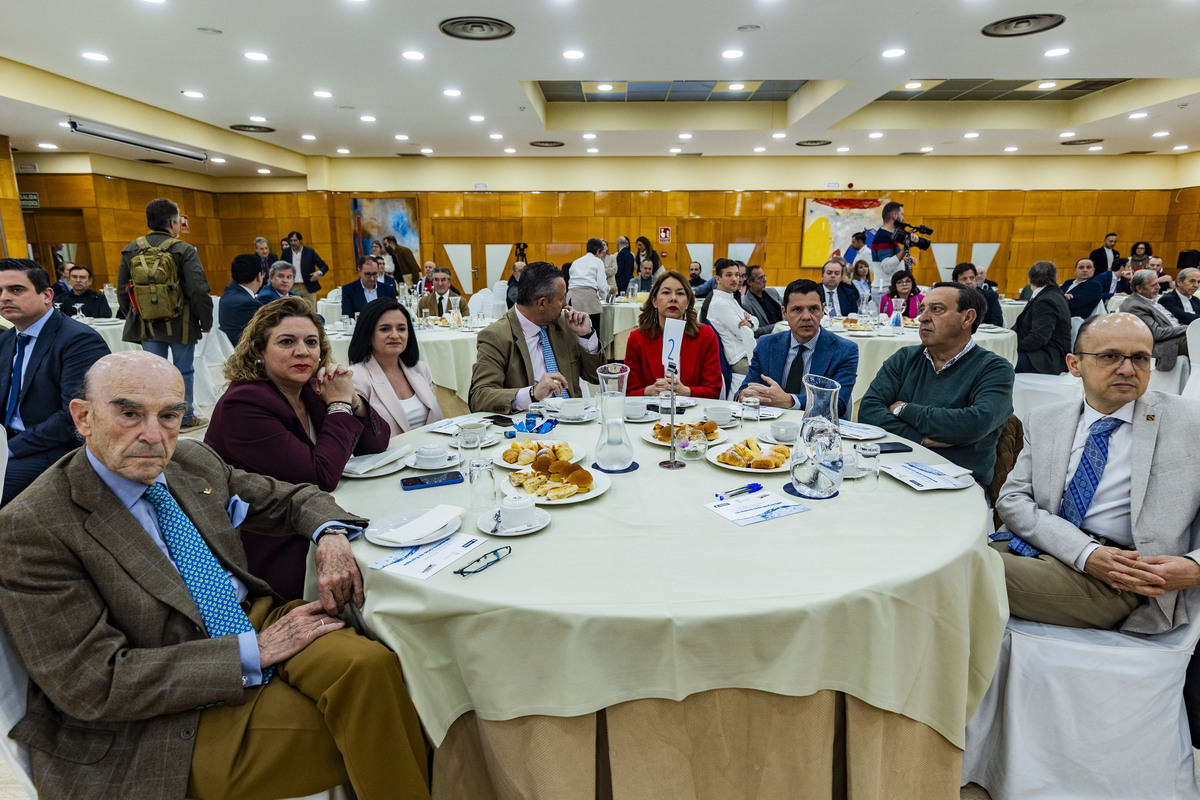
[379, 472]
[649, 416]
[393, 521]
[487, 520]
[769, 439]
[733, 423]
[453, 459]
[588, 416]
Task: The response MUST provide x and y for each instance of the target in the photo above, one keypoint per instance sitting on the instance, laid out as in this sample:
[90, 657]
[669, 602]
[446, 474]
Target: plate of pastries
[557, 482]
[661, 434]
[750, 456]
[912, 323]
[853, 325]
[523, 452]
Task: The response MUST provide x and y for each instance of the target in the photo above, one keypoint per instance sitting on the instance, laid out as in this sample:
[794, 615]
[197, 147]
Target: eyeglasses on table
[484, 561]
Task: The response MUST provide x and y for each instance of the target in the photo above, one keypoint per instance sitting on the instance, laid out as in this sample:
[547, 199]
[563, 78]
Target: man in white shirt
[728, 317]
[588, 282]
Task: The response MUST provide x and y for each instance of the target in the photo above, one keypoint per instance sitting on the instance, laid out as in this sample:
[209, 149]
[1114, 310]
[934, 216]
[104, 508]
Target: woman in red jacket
[700, 364]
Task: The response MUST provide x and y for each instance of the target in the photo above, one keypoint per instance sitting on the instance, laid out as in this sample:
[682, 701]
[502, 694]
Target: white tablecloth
[891, 596]
[616, 318]
[331, 310]
[1012, 309]
[449, 354]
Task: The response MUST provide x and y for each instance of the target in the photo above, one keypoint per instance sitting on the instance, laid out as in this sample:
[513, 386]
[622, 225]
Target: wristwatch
[898, 409]
[334, 529]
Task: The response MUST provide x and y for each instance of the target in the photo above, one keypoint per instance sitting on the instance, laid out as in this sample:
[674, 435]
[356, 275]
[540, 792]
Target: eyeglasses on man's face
[1141, 361]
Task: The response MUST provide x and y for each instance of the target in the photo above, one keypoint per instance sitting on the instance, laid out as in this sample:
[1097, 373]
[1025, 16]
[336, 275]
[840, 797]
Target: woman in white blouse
[388, 372]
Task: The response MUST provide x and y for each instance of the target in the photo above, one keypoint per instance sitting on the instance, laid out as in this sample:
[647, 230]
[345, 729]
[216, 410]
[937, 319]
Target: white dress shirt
[587, 271]
[370, 294]
[726, 315]
[537, 361]
[1109, 513]
[831, 300]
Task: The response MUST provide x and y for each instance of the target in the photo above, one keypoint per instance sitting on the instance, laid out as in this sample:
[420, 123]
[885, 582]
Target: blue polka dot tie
[204, 576]
[1082, 487]
[548, 357]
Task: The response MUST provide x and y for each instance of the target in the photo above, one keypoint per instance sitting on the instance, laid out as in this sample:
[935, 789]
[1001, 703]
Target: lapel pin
[209, 491]
[1150, 418]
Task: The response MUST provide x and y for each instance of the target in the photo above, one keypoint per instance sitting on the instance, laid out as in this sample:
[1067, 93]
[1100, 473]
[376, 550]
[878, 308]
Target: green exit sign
[29, 200]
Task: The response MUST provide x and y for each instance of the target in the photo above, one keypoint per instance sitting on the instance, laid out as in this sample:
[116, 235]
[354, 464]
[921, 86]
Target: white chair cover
[481, 302]
[209, 363]
[1173, 381]
[1031, 390]
[1076, 324]
[1191, 386]
[499, 299]
[1074, 713]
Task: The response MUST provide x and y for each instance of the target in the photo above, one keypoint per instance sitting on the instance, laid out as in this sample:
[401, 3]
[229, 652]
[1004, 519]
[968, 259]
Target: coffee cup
[722, 415]
[784, 430]
[635, 408]
[516, 510]
[430, 456]
[573, 407]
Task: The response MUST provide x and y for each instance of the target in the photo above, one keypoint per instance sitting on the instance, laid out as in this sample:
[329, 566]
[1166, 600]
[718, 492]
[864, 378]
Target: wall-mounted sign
[664, 235]
[29, 200]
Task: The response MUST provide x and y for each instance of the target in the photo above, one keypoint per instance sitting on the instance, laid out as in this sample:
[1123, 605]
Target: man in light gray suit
[1101, 507]
[1170, 337]
[761, 301]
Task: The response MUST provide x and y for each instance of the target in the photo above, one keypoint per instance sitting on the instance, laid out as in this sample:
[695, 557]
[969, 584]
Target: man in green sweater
[950, 395]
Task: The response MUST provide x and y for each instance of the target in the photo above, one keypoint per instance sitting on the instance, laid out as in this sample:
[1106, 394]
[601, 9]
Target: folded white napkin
[420, 527]
[360, 465]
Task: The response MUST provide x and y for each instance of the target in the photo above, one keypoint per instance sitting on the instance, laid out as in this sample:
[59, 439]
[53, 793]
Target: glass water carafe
[817, 457]
[614, 451]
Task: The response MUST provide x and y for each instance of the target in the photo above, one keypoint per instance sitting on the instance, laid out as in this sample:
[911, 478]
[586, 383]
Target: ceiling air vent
[411, 155]
[477, 28]
[688, 155]
[912, 153]
[252, 128]
[1137, 152]
[545, 143]
[153, 161]
[813, 143]
[1023, 25]
[1079, 142]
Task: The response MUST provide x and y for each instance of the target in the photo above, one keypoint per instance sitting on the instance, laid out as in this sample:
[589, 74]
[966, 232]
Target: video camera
[521, 247]
[905, 236]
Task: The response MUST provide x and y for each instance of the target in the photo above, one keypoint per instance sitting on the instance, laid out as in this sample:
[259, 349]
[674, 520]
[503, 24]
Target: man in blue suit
[279, 283]
[781, 360]
[43, 359]
[841, 297]
[357, 294]
[240, 300]
[1083, 293]
[1182, 302]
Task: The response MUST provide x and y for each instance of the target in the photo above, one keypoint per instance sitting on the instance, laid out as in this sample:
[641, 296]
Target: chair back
[481, 302]
[499, 299]
[1008, 447]
[1076, 324]
[726, 373]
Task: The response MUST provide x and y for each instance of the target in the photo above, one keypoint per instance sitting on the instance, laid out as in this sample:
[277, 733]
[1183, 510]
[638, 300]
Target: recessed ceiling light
[895, 52]
[322, 93]
[426, 150]
[779, 135]
[451, 92]
[256, 56]
[926, 149]
[1180, 147]
[95, 56]
[736, 87]
[264, 171]
[1047, 85]
[217, 160]
[971, 135]
[344, 151]
[495, 135]
[402, 137]
[843, 149]
[676, 149]
[874, 135]
[190, 93]
[685, 136]
[413, 55]
[573, 54]
[593, 149]
[510, 149]
[258, 119]
[155, 1]
[47, 146]
[589, 136]
[1138, 115]
[367, 118]
[308, 137]
[913, 85]
[604, 87]
[732, 54]
[1057, 51]
[1096, 147]
[64, 124]
[476, 118]
[760, 149]
[1160, 134]
[1066, 134]
[1010, 149]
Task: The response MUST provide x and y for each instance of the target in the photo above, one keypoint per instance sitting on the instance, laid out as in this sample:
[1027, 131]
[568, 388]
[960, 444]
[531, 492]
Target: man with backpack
[164, 296]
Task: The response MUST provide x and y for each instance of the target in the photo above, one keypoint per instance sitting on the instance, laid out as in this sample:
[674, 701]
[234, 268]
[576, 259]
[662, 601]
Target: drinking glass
[664, 408]
[345, 323]
[481, 474]
[868, 467]
[479, 324]
[425, 321]
[470, 442]
[751, 410]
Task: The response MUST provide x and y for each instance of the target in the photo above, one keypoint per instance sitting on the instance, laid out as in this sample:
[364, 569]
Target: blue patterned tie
[14, 388]
[204, 576]
[548, 357]
[1083, 483]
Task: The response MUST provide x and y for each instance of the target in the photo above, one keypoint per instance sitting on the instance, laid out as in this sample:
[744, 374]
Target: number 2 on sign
[672, 341]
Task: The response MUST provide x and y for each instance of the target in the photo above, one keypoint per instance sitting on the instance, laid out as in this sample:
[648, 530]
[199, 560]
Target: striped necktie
[14, 387]
[548, 357]
[1082, 487]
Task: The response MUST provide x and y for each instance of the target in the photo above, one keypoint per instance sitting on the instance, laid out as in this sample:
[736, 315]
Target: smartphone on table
[429, 481]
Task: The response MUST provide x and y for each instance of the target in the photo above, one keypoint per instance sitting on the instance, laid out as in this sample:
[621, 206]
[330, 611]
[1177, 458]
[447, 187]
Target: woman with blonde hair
[699, 354]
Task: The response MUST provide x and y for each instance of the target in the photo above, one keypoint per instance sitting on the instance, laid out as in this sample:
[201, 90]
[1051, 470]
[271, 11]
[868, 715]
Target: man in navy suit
[781, 360]
[1182, 302]
[279, 283]
[626, 264]
[356, 294]
[43, 359]
[240, 301]
[264, 256]
[1083, 293]
[841, 297]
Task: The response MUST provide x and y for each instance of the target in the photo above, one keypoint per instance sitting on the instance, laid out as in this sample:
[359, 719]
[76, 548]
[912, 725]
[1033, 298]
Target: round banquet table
[449, 354]
[617, 318]
[716, 655]
[330, 310]
[1011, 309]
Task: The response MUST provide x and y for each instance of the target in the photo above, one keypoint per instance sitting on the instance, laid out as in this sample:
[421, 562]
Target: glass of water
[425, 321]
[868, 467]
[482, 476]
[751, 409]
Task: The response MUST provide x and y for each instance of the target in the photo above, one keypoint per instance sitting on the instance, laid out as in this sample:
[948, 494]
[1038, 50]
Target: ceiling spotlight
[258, 119]
[256, 56]
[593, 149]
[322, 93]
[971, 135]
[367, 118]
[190, 93]
[778, 135]
[685, 136]
[875, 135]
[843, 149]
[1066, 134]
[760, 149]
[308, 137]
[1138, 115]
[216, 160]
[95, 56]
[926, 149]
[510, 149]
[413, 55]
[476, 118]
[1160, 134]
[1180, 147]
[589, 136]
[1010, 149]
[451, 92]
[573, 54]
[47, 146]
[402, 137]
[495, 135]
[1096, 147]
[893, 53]
[736, 87]
[913, 85]
[426, 150]
[64, 124]
[676, 149]
[264, 171]
[732, 54]
[344, 151]
[1047, 85]
[1057, 51]
[604, 87]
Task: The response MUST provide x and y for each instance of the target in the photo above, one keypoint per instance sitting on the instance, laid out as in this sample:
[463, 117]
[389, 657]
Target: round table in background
[449, 354]
[1011, 309]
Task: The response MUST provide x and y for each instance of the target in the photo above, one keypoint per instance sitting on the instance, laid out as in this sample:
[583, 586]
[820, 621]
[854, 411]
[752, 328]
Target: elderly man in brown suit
[159, 667]
[538, 349]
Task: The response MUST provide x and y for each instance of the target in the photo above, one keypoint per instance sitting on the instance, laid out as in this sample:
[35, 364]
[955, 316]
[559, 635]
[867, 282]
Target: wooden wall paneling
[1128, 230]
[743, 204]
[647, 204]
[1078, 203]
[573, 230]
[706, 204]
[964, 204]
[1007, 204]
[481, 205]
[535, 231]
[1153, 230]
[441, 205]
[110, 192]
[1050, 228]
[539, 204]
[1185, 201]
[678, 204]
[612, 204]
[1039, 203]
[1115, 203]
[510, 204]
[576, 204]
[560, 253]
[780, 204]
